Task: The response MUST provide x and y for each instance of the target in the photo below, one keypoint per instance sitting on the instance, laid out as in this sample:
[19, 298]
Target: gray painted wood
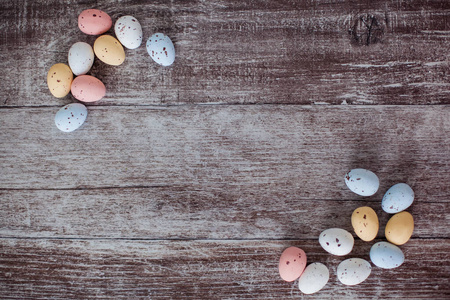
[188, 182]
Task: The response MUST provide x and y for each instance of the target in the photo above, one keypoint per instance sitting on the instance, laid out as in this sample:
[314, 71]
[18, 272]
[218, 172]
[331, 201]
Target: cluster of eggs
[339, 242]
[108, 49]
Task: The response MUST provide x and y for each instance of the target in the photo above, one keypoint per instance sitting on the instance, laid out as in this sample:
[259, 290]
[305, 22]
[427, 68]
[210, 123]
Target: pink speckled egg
[94, 21]
[87, 88]
[292, 263]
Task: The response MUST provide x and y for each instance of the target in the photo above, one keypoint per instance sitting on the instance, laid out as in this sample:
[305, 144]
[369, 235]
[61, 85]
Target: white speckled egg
[336, 241]
[128, 31]
[161, 49]
[81, 58]
[386, 255]
[353, 271]
[362, 182]
[398, 198]
[71, 117]
[314, 278]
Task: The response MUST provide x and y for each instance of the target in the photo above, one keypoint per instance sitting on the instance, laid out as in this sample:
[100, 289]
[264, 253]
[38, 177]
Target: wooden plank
[304, 149]
[240, 52]
[184, 213]
[43, 269]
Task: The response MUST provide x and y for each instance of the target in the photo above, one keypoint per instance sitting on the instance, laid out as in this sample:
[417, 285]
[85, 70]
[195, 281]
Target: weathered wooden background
[187, 182]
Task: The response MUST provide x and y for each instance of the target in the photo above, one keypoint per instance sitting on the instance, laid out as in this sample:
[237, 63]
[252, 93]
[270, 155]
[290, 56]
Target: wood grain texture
[188, 182]
[240, 52]
[194, 213]
[306, 149]
[57, 269]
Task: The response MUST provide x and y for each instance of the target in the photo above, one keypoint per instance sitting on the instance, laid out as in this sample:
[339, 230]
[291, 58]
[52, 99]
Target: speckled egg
[71, 117]
[399, 228]
[128, 31]
[353, 271]
[365, 223]
[109, 50]
[87, 88]
[81, 58]
[94, 21]
[398, 198]
[362, 182]
[314, 278]
[292, 263]
[386, 255]
[336, 241]
[59, 80]
[161, 49]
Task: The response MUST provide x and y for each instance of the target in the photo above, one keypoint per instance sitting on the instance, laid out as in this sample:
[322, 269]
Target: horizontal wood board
[187, 182]
[296, 52]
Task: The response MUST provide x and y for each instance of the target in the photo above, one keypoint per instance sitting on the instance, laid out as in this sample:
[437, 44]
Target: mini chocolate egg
[87, 88]
[161, 49]
[386, 255]
[59, 79]
[365, 223]
[128, 31]
[314, 278]
[81, 58]
[336, 241]
[109, 50]
[399, 228]
[292, 263]
[94, 21]
[362, 182]
[398, 198]
[353, 271]
[71, 117]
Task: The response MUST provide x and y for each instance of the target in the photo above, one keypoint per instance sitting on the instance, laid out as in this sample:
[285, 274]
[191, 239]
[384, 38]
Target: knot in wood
[366, 30]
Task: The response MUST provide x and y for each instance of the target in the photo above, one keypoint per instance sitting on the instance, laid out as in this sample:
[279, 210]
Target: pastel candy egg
[94, 21]
[161, 49]
[81, 58]
[336, 241]
[398, 198]
[314, 278]
[292, 263]
[59, 79]
[362, 182]
[353, 271]
[399, 228]
[87, 88]
[386, 255]
[71, 117]
[128, 31]
[109, 50]
[365, 223]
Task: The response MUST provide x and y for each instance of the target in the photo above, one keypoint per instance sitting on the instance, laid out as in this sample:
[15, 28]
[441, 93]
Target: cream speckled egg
[81, 58]
[336, 241]
[94, 21]
[314, 278]
[292, 263]
[109, 50]
[398, 198]
[353, 271]
[161, 49]
[399, 228]
[362, 182]
[365, 223]
[128, 31]
[71, 117]
[59, 80]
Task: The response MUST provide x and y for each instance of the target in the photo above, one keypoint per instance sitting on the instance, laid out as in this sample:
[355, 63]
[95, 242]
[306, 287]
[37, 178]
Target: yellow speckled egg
[59, 79]
[399, 228]
[109, 50]
[365, 223]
